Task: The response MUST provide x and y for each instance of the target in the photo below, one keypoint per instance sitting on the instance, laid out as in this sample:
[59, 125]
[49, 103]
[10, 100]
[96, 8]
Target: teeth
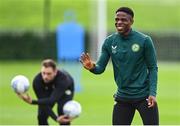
[119, 27]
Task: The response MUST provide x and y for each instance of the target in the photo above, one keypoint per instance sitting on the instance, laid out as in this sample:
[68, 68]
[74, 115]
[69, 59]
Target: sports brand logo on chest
[114, 49]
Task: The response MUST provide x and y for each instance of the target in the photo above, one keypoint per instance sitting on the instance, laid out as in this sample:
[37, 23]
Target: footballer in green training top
[135, 70]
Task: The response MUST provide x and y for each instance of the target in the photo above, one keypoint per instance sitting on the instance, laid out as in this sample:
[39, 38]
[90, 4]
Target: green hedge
[31, 45]
[27, 45]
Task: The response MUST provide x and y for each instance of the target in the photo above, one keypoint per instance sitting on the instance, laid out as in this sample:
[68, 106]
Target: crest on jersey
[135, 47]
[114, 49]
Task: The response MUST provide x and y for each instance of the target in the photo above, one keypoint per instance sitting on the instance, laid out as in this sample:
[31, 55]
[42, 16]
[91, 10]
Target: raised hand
[86, 61]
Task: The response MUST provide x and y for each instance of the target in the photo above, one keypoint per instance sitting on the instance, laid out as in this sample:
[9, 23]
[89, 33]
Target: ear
[132, 21]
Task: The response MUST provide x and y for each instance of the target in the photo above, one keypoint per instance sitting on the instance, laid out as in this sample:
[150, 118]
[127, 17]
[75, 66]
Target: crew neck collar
[127, 36]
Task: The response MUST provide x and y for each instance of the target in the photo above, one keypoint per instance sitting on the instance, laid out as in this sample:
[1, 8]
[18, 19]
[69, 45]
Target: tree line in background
[34, 46]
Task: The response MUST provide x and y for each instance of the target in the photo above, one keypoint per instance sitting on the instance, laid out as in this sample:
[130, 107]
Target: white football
[20, 84]
[72, 108]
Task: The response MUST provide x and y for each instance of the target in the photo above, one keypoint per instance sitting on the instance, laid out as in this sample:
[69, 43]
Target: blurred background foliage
[150, 15]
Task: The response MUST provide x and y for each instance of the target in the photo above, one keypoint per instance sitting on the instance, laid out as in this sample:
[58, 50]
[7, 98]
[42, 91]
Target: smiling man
[135, 70]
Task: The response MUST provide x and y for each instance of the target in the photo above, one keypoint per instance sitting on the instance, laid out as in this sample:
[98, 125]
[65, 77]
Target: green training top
[134, 63]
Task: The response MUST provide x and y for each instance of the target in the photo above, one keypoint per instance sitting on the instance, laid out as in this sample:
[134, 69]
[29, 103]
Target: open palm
[86, 61]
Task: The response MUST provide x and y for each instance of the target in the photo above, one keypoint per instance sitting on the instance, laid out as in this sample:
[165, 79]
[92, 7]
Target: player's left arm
[46, 102]
[151, 62]
[49, 111]
[59, 119]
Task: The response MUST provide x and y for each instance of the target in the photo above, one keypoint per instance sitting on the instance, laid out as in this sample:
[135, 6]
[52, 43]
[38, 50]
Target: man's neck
[127, 32]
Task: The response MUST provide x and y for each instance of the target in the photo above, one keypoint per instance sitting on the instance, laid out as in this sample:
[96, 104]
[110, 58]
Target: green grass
[96, 97]
[152, 15]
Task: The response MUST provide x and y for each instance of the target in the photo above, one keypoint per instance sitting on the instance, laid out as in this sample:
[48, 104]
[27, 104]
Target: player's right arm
[100, 66]
[86, 61]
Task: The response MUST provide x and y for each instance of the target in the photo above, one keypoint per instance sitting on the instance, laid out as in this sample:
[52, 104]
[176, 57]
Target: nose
[45, 76]
[119, 21]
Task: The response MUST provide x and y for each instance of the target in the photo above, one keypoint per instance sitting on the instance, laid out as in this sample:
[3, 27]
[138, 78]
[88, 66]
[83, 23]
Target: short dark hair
[49, 63]
[126, 10]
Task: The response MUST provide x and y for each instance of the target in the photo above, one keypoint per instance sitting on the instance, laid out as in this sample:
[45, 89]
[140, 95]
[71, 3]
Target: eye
[116, 19]
[43, 73]
[123, 19]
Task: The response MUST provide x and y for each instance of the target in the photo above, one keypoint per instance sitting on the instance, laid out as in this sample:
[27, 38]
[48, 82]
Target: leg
[123, 113]
[42, 116]
[150, 116]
